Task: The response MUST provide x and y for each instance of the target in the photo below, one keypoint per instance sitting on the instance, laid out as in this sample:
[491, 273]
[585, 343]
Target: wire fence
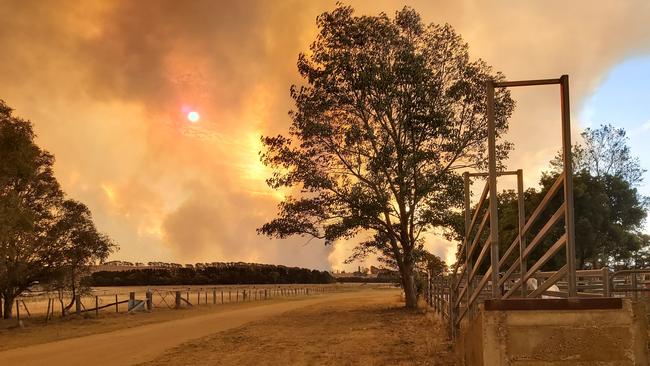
[134, 299]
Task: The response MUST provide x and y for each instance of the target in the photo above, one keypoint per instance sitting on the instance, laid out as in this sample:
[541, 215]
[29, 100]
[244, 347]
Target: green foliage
[231, 274]
[390, 111]
[609, 214]
[29, 195]
[78, 245]
[42, 236]
[609, 211]
[604, 151]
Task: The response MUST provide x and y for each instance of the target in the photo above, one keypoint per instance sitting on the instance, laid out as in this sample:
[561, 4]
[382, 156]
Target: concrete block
[613, 337]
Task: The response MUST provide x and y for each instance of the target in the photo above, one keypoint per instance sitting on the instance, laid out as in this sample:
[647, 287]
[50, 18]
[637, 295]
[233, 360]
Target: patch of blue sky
[623, 100]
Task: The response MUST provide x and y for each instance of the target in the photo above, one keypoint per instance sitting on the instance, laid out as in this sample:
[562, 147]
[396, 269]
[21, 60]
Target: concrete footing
[577, 332]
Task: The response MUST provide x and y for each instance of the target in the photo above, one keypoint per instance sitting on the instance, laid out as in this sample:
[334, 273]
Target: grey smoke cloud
[105, 84]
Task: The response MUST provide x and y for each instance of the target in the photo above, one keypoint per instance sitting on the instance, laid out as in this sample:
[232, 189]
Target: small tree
[43, 239]
[609, 211]
[390, 111]
[29, 194]
[79, 245]
[604, 151]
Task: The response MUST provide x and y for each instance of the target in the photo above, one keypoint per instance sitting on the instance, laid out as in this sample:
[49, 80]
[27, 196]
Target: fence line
[627, 283]
[45, 305]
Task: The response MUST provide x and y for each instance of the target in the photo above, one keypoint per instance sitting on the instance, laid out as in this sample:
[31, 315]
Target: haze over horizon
[110, 86]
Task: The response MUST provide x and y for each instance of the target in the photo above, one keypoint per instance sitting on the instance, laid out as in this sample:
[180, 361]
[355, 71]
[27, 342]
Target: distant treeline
[382, 279]
[226, 275]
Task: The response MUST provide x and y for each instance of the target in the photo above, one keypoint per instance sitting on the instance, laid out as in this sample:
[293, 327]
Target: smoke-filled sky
[108, 85]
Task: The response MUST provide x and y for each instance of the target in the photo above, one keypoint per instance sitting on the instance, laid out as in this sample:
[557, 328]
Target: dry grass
[377, 331]
[35, 331]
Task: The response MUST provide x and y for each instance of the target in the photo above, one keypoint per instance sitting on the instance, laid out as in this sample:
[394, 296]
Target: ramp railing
[477, 274]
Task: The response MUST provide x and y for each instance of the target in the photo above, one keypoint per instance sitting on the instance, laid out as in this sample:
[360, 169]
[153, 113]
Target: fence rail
[481, 272]
[604, 282]
[49, 305]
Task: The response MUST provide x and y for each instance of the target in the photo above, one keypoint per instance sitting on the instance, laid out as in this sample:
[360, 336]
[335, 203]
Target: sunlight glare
[193, 116]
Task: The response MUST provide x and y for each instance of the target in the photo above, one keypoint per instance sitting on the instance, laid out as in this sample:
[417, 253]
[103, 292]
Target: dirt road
[144, 343]
[374, 330]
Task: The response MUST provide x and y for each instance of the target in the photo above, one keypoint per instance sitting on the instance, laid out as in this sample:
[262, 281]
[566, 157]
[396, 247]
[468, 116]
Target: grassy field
[375, 331]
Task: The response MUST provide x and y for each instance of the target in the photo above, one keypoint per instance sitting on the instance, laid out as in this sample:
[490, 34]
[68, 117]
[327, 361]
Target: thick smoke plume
[106, 82]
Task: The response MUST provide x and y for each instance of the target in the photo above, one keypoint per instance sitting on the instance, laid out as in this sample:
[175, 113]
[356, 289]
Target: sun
[193, 116]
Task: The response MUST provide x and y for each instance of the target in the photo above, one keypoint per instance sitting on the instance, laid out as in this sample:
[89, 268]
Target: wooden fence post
[77, 300]
[214, 296]
[117, 306]
[96, 306]
[149, 300]
[17, 311]
[47, 313]
[222, 296]
[131, 302]
[29, 315]
[177, 301]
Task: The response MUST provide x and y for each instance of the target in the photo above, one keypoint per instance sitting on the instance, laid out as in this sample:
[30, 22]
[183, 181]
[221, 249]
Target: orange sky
[105, 82]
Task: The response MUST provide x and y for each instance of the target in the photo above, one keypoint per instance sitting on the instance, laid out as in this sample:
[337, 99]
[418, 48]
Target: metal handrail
[460, 289]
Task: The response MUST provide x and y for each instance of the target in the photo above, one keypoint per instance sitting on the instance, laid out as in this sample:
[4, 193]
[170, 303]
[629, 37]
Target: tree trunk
[8, 303]
[72, 301]
[408, 282]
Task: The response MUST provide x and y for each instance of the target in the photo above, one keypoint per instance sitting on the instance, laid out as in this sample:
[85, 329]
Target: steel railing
[478, 274]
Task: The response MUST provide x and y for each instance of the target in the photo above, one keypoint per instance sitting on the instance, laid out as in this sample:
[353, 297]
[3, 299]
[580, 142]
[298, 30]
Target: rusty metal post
[521, 221]
[492, 170]
[635, 286]
[438, 296]
[568, 186]
[606, 288]
[433, 291]
[468, 260]
[428, 293]
[452, 309]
